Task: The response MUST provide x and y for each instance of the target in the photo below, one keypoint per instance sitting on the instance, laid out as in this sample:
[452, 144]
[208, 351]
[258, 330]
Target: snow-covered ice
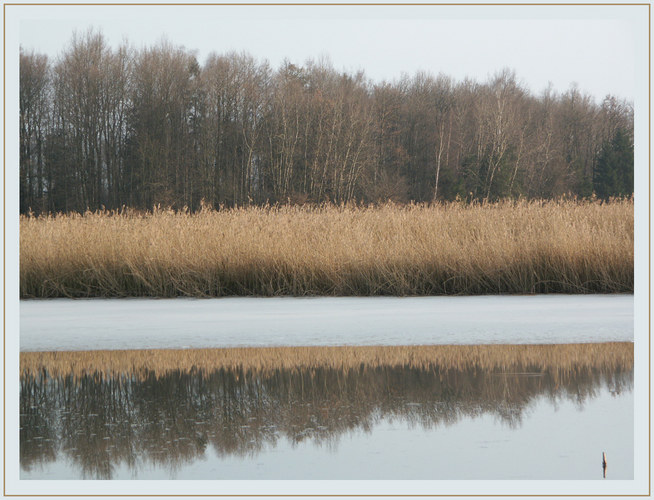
[65, 324]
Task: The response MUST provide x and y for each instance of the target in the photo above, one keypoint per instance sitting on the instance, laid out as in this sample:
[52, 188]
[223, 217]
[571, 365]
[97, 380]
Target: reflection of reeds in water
[506, 247]
[240, 401]
[559, 358]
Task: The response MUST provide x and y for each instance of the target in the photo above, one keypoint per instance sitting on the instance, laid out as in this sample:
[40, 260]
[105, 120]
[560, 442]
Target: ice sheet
[65, 324]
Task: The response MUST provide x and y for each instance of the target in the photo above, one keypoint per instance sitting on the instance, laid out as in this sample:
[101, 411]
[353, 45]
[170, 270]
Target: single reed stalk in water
[556, 359]
[505, 247]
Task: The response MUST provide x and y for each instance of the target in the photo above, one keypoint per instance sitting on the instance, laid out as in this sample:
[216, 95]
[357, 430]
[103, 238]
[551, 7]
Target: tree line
[112, 127]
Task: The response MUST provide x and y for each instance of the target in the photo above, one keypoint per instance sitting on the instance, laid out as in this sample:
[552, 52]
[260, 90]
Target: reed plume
[505, 247]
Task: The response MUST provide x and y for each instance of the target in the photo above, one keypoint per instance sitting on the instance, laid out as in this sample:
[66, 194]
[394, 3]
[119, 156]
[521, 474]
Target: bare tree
[111, 127]
[34, 112]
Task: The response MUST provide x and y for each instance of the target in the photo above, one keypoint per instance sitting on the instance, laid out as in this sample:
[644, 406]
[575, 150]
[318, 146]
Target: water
[375, 423]
[63, 324]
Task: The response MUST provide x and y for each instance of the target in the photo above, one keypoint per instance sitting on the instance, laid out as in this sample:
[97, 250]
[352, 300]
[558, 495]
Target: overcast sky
[594, 47]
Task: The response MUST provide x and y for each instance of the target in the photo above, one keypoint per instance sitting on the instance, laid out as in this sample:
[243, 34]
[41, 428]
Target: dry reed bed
[506, 247]
[557, 359]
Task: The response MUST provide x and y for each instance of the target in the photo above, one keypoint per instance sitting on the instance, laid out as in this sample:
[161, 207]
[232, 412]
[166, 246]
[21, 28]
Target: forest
[106, 128]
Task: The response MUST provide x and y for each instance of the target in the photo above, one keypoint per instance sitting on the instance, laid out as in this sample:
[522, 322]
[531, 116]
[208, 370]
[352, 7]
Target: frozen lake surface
[66, 324]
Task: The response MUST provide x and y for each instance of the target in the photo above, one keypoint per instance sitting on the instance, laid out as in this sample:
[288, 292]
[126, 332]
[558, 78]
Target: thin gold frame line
[245, 495]
[4, 256]
[326, 4]
[649, 237]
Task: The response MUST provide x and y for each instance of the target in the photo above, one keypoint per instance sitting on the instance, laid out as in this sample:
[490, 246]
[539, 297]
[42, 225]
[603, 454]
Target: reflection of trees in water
[39, 415]
[100, 423]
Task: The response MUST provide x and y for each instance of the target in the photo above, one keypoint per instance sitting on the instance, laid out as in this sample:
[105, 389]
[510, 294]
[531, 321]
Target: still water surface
[325, 423]
[63, 324]
[371, 422]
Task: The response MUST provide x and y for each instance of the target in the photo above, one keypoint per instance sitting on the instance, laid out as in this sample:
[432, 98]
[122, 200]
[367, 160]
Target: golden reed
[454, 248]
[555, 358]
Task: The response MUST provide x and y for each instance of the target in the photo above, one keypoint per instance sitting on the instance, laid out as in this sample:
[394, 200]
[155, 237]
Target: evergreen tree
[614, 169]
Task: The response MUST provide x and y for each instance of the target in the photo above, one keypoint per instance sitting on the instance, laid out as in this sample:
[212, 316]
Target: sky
[593, 47]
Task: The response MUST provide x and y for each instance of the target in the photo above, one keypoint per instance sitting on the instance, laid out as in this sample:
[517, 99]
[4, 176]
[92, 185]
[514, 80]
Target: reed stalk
[455, 248]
